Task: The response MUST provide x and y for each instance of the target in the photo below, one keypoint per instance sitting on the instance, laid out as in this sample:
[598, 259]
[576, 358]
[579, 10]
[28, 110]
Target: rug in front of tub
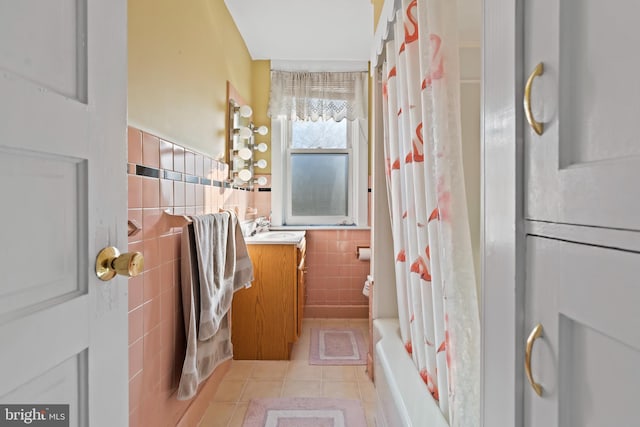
[337, 347]
[304, 412]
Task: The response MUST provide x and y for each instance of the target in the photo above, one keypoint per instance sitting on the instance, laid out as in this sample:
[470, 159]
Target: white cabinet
[586, 297]
[585, 167]
[582, 171]
[561, 222]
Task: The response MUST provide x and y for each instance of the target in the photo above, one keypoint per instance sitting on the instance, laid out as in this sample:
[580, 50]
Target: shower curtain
[436, 288]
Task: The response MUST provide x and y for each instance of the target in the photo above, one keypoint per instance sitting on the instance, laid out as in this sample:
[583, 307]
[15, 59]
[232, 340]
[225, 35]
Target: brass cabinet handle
[535, 334]
[110, 262]
[538, 127]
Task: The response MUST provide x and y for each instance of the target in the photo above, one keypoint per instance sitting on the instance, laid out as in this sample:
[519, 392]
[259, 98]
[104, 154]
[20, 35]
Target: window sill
[319, 227]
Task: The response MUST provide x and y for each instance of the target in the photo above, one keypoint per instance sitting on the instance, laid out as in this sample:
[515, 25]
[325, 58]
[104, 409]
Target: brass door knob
[110, 262]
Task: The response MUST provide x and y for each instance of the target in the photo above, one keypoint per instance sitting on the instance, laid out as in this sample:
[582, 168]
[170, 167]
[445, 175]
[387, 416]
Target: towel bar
[174, 220]
[179, 221]
[133, 227]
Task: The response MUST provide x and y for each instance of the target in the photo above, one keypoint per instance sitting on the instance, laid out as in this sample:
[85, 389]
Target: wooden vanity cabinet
[267, 317]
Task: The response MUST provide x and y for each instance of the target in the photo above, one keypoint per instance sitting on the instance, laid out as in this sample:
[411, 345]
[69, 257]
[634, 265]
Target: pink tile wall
[156, 329]
[335, 276]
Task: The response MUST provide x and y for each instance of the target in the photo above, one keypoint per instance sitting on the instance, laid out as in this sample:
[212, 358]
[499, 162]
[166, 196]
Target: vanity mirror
[242, 144]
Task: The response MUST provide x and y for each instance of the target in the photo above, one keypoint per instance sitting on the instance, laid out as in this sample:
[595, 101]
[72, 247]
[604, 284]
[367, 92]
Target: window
[319, 172]
[319, 147]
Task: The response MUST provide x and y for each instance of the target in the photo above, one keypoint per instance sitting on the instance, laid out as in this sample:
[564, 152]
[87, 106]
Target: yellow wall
[260, 88]
[377, 9]
[181, 54]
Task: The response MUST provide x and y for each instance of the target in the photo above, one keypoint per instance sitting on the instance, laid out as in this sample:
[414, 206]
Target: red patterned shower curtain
[435, 279]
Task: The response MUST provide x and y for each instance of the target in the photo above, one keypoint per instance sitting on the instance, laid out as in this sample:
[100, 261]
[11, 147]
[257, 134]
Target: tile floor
[249, 379]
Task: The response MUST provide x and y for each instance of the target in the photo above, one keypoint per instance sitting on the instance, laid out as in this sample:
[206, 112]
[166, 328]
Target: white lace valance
[309, 96]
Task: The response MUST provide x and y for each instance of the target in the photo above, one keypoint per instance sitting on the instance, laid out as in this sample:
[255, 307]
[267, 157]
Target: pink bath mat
[304, 412]
[337, 347]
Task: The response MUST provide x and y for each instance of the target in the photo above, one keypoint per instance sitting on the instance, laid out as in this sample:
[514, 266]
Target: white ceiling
[305, 30]
[323, 30]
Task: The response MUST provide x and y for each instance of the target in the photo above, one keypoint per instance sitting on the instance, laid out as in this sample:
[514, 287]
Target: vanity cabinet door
[264, 315]
[300, 294]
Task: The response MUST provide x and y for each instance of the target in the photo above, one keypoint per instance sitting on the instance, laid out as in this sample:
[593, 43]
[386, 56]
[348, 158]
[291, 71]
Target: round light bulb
[262, 147]
[245, 111]
[244, 132]
[244, 153]
[244, 174]
[261, 181]
[262, 163]
[263, 130]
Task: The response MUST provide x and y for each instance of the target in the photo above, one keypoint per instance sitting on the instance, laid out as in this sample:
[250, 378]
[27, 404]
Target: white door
[585, 167]
[63, 197]
[586, 298]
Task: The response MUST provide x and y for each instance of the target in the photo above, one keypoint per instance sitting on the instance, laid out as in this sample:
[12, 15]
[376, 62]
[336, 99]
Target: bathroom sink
[276, 237]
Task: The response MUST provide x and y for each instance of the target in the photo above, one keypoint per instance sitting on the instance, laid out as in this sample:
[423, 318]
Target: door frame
[503, 226]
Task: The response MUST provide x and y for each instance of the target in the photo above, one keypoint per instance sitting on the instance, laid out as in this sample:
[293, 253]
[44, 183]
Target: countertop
[279, 237]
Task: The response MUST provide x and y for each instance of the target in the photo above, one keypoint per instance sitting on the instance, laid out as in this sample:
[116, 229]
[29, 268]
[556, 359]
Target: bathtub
[403, 398]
